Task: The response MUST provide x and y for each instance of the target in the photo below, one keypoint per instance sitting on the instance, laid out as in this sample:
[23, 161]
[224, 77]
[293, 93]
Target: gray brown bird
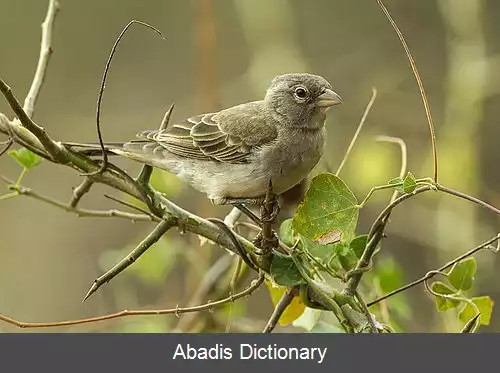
[233, 154]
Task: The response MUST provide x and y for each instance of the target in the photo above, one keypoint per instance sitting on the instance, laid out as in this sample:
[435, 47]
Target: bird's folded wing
[226, 136]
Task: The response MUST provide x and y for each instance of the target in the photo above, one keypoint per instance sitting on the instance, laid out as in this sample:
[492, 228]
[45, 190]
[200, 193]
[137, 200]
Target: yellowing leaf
[294, 310]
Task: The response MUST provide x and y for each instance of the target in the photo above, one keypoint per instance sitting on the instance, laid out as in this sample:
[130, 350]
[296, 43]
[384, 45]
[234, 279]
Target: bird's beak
[328, 98]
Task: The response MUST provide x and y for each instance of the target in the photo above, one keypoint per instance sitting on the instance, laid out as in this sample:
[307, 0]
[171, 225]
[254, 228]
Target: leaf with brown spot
[328, 238]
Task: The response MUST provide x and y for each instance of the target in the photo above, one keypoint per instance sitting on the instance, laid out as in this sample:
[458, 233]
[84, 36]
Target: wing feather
[226, 136]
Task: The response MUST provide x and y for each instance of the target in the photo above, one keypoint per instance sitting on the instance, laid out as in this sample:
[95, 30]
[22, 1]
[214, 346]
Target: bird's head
[301, 99]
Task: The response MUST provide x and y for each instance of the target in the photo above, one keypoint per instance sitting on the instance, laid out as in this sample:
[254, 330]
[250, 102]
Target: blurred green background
[218, 54]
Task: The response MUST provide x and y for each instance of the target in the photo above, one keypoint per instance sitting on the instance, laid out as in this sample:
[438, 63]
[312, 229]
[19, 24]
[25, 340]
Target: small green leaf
[328, 206]
[286, 232]
[25, 158]
[399, 181]
[284, 272]
[443, 303]
[461, 275]
[485, 307]
[409, 183]
[358, 245]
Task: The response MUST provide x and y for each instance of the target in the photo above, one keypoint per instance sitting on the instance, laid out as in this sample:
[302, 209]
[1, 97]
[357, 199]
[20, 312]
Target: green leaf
[323, 252]
[329, 207]
[461, 275]
[485, 307]
[409, 183]
[397, 180]
[25, 158]
[284, 271]
[443, 303]
[286, 232]
[358, 245]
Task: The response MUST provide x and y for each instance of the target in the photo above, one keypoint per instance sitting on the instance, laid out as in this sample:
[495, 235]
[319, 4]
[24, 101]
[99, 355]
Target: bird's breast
[294, 156]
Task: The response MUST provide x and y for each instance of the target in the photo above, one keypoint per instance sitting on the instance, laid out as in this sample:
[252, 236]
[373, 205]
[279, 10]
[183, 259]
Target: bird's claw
[270, 217]
[260, 241]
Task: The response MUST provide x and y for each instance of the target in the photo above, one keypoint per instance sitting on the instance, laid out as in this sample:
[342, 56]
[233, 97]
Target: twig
[132, 206]
[432, 273]
[7, 146]
[19, 189]
[43, 60]
[475, 200]
[175, 311]
[281, 306]
[151, 239]
[101, 92]
[246, 256]
[366, 312]
[55, 150]
[358, 130]
[374, 237]
[80, 191]
[420, 86]
[404, 157]
[233, 216]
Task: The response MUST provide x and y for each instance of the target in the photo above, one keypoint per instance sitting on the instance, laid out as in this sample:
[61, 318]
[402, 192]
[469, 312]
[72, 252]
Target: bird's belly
[286, 167]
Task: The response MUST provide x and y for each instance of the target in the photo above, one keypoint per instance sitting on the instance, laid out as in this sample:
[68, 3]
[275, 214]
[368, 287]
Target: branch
[475, 200]
[80, 191]
[175, 311]
[21, 190]
[432, 273]
[55, 150]
[43, 61]
[103, 86]
[151, 239]
[404, 157]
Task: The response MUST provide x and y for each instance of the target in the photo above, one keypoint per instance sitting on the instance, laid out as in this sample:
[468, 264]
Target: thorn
[91, 291]
[166, 118]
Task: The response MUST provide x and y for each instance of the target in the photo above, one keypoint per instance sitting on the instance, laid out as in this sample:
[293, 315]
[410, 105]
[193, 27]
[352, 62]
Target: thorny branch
[430, 274]
[173, 311]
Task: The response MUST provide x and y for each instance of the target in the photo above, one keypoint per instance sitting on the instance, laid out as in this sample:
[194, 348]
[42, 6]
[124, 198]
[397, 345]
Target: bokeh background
[218, 54]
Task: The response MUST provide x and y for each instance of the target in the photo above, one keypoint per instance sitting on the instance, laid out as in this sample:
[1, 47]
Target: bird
[232, 155]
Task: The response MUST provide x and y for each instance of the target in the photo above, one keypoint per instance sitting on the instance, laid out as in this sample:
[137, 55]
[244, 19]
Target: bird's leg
[270, 217]
[268, 212]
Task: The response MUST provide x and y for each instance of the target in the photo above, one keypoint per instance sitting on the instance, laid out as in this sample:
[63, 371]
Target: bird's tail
[95, 149]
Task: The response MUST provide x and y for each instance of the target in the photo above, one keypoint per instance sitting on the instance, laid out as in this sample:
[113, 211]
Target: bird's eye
[301, 93]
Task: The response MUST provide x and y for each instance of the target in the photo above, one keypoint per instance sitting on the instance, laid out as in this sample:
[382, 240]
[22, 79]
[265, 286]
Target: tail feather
[94, 149]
